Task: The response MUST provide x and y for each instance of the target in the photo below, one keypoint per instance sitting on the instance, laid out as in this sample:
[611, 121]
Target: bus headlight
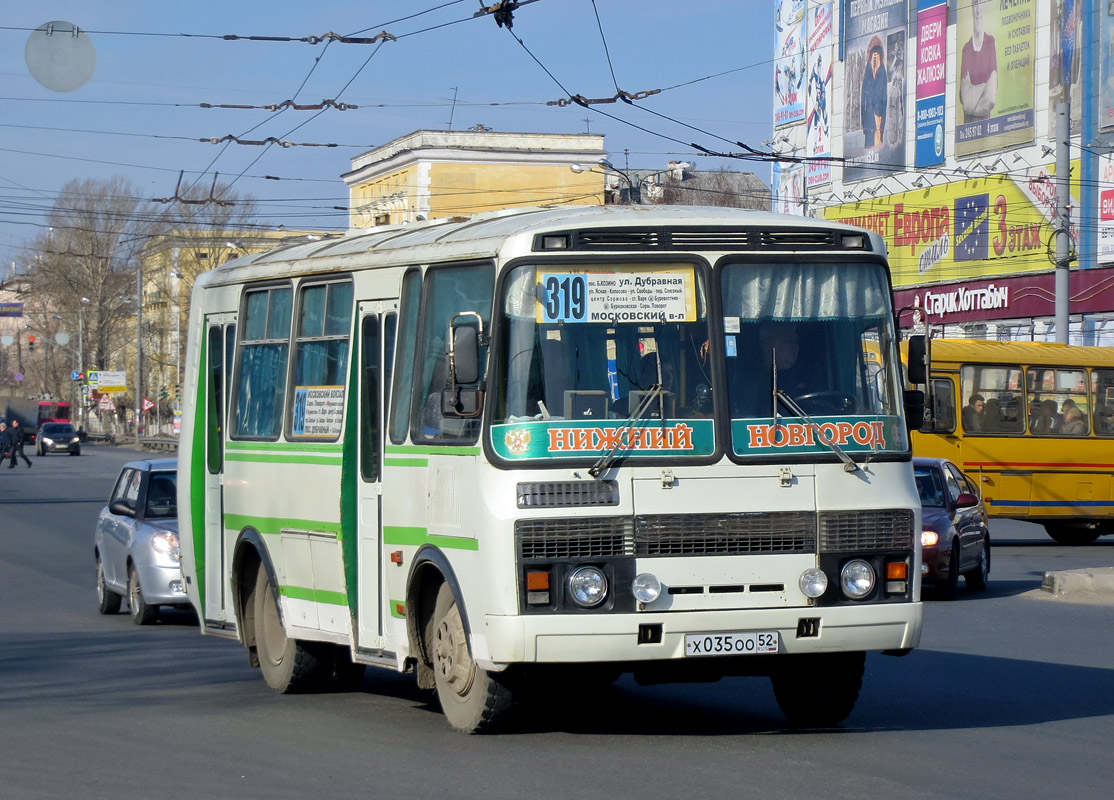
[646, 587]
[814, 582]
[857, 579]
[588, 587]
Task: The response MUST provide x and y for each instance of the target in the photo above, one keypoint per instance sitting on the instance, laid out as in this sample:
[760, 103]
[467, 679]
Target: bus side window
[1102, 399]
[943, 406]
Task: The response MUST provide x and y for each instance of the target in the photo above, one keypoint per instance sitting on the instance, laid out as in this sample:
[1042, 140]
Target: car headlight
[47, 440]
[588, 587]
[857, 579]
[814, 582]
[929, 538]
[167, 544]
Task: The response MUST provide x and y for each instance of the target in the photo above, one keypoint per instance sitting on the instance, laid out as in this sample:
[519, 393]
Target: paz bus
[550, 446]
[1042, 445]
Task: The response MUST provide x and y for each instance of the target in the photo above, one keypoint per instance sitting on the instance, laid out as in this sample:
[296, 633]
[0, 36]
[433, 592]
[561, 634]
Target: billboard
[980, 227]
[1066, 59]
[789, 62]
[932, 53]
[874, 88]
[1106, 65]
[997, 63]
[818, 141]
[789, 188]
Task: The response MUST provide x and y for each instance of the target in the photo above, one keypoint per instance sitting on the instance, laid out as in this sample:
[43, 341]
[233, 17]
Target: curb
[1081, 583]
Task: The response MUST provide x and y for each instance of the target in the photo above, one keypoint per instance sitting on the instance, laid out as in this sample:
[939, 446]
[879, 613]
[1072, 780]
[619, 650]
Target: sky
[140, 116]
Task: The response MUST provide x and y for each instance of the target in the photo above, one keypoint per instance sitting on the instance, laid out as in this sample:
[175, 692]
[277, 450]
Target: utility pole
[138, 349]
[1063, 195]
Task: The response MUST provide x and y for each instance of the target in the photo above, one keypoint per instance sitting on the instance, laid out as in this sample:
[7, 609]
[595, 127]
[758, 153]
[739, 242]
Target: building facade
[933, 122]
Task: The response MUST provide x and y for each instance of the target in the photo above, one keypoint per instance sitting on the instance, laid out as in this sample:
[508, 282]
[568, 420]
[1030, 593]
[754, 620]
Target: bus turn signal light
[896, 571]
[537, 587]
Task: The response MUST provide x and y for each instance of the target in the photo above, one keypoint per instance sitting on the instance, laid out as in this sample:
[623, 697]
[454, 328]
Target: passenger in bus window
[1074, 423]
[1043, 418]
[992, 416]
[974, 414]
[1104, 420]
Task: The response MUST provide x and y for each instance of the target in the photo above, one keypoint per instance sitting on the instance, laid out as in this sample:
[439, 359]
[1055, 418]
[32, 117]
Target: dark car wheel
[1070, 534]
[108, 602]
[977, 578]
[142, 612]
[950, 587]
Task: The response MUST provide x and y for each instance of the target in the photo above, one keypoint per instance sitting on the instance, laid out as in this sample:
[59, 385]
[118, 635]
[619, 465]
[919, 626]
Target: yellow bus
[1033, 423]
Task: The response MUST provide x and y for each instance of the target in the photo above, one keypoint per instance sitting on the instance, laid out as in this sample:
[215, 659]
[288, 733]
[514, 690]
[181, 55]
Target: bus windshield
[584, 347]
[815, 338]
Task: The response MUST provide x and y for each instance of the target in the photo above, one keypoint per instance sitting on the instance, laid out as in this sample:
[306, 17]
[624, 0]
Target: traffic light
[30, 342]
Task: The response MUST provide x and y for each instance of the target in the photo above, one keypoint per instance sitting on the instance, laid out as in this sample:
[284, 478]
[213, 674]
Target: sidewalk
[1094, 585]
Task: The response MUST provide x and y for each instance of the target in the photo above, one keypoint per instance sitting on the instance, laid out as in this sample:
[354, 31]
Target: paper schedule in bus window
[318, 411]
[663, 294]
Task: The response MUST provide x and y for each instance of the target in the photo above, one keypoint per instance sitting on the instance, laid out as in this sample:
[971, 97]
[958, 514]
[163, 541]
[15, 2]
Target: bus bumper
[575, 638]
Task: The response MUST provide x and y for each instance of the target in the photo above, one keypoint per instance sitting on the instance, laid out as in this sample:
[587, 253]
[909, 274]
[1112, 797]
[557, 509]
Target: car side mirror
[122, 509]
[966, 500]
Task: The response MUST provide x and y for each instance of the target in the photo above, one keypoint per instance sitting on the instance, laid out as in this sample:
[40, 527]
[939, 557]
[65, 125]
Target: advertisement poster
[1106, 209]
[995, 79]
[1066, 59]
[980, 227]
[1106, 67]
[874, 88]
[789, 62]
[789, 188]
[818, 136]
[932, 52]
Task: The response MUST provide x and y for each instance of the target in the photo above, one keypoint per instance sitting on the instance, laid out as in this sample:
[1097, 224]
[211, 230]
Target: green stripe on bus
[314, 595]
[410, 449]
[405, 462]
[419, 536]
[348, 477]
[279, 458]
[271, 525]
[199, 467]
[300, 447]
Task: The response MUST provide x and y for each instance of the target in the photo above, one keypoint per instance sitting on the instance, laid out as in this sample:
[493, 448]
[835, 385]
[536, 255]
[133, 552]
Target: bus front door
[378, 321]
[220, 330]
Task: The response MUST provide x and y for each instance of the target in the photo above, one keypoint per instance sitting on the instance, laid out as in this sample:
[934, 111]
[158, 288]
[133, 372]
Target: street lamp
[81, 353]
[607, 165]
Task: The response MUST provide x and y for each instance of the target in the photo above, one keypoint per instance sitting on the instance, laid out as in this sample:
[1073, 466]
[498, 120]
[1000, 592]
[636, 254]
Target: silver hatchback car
[136, 542]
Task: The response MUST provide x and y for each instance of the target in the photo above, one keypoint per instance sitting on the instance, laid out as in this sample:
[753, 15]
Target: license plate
[731, 644]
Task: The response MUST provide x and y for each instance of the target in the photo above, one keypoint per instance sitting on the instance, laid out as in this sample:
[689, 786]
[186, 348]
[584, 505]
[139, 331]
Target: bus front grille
[866, 531]
[725, 534]
[575, 537]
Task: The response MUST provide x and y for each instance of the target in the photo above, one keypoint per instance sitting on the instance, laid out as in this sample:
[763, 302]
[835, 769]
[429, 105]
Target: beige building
[434, 174]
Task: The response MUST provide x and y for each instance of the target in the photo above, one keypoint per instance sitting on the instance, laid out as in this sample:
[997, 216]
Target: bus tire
[472, 699]
[108, 602]
[289, 666]
[143, 613]
[949, 589]
[977, 578]
[1071, 534]
[818, 690]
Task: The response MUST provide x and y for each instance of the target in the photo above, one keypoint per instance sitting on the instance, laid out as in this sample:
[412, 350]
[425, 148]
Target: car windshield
[585, 346]
[162, 495]
[58, 430]
[930, 486]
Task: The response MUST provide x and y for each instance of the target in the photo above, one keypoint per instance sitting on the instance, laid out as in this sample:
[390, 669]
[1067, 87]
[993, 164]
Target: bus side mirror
[914, 408]
[917, 366]
[463, 368]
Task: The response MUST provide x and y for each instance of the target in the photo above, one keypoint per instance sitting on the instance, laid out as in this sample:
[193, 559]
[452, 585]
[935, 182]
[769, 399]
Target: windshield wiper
[849, 464]
[608, 458]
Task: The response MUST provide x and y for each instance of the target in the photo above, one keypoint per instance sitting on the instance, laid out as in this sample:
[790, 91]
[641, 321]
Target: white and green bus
[555, 445]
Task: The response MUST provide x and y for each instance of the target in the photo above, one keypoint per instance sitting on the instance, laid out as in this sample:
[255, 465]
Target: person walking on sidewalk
[5, 441]
[15, 434]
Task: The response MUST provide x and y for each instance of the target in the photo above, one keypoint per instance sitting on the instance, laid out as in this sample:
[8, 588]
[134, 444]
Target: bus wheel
[289, 665]
[818, 691]
[473, 699]
[108, 602]
[977, 578]
[1071, 534]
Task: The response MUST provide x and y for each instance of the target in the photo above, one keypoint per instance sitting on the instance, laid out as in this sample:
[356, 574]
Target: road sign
[19, 376]
[147, 404]
[75, 375]
[106, 402]
[107, 381]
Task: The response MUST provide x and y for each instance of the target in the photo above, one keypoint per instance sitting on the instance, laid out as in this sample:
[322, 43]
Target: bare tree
[718, 187]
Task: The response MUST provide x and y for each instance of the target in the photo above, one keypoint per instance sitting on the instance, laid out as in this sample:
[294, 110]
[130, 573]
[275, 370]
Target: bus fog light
[646, 587]
[588, 587]
[857, 579]
[814, 582]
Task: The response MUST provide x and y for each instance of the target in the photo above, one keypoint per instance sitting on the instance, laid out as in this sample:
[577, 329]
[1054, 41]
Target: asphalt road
[1011, 695]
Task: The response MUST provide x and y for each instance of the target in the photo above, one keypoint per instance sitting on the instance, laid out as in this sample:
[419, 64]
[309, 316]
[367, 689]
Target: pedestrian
[4, 440]
[15, 437]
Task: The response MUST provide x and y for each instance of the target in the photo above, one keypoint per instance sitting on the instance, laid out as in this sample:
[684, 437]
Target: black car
[58, 437]
[955, 531]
